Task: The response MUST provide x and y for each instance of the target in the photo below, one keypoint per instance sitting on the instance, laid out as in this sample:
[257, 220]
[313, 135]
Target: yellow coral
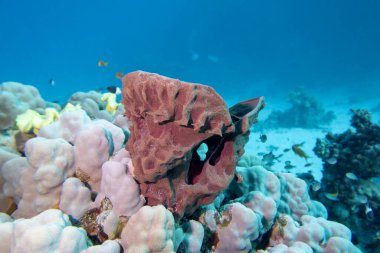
[25, 121]
[112, 105]
[70, 107]
[33, 121]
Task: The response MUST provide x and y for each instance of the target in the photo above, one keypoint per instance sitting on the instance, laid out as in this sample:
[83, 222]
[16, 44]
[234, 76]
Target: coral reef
[351, 171]
[305, 112]
[174, 187]
[312, 235]
[270, 206]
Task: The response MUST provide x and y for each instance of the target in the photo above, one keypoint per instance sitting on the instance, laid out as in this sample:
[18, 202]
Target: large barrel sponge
[170, 120]
[16, 98]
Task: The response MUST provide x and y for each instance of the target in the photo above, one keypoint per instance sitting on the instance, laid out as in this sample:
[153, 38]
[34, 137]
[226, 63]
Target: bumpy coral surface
[67, 126]
[170, 119]
[151, 229]
[16, 98]
[119, 186]
[92, 103]
[35, 182]
[50, 231]
[318, 233]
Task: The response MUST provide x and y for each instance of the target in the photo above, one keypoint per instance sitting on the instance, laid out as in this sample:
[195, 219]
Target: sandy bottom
[281, 139]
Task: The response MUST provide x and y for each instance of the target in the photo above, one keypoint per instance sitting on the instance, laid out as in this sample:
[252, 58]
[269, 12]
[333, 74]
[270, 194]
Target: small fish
[308, 164]
[306, 176]
[52, 82]
[261, 153]
[369, 212]
[332, 196]
[375, 180]
[102, 63]
[55, 101]
[269, 157]
[286, 150]
[119, 75]
[299, 151]
[263, 138]
[288, 162]
[289, 167]
[114, 89]
[316, 186]
[351, 176]
[332, 160]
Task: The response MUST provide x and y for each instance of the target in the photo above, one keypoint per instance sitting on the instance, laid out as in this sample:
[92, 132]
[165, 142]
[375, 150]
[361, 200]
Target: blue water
[241, 48]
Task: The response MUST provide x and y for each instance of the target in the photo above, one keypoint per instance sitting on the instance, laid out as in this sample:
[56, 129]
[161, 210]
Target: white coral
[151, 230]
[36, 185]
[121, 188]
[50, 231]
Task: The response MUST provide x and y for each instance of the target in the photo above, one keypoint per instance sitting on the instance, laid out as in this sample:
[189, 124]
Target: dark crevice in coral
[206, 126]
[166, 121]
[264, 242]
[215, 145]
[215, 156]
[195, 168]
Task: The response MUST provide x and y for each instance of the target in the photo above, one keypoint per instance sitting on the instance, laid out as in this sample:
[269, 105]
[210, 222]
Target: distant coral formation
[352, 171]
[305, 111]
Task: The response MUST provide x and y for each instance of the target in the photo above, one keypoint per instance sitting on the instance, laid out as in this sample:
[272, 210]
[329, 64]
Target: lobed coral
[16, 98]
[156, 231]
[35, 182]
[50, 231]
[317, 233]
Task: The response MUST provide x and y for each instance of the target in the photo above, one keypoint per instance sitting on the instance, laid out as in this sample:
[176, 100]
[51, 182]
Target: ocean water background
[242, 48]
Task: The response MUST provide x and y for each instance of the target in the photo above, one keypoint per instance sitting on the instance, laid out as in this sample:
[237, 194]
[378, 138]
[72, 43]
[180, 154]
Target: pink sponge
[170, 120]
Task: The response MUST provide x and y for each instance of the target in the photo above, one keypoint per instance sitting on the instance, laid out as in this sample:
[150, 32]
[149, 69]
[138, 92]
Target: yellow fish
[119, 75]
[102, 63]
[299, 151]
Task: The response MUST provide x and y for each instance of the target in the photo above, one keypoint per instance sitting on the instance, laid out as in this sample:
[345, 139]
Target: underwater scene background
[286, 159]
